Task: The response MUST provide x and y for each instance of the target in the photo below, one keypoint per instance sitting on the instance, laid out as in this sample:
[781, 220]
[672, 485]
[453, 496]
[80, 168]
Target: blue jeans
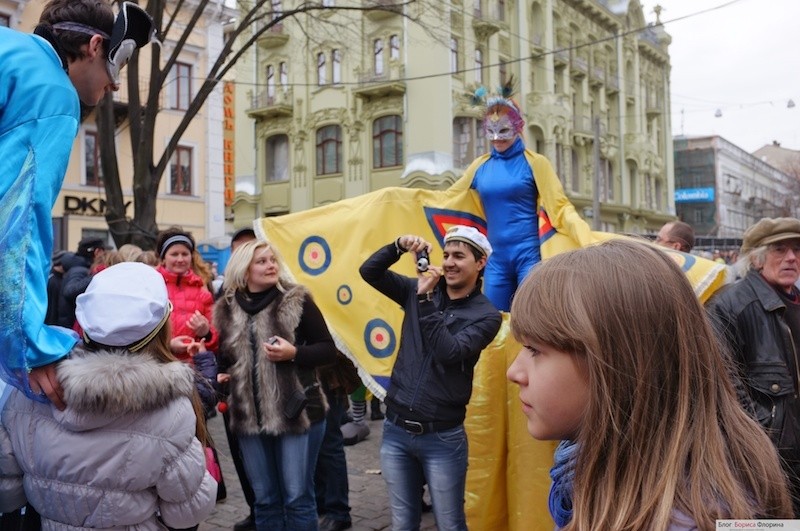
[330, 478]
[281, 471]
[439, 458]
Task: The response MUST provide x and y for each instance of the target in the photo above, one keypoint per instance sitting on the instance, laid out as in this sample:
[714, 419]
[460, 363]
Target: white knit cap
[125, 305]
[470, 235]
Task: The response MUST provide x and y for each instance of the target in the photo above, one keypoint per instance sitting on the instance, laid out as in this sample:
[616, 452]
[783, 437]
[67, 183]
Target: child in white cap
[127, 449]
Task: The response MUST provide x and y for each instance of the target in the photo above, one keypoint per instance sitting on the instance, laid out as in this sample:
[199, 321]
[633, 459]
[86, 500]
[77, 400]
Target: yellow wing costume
[508, 476]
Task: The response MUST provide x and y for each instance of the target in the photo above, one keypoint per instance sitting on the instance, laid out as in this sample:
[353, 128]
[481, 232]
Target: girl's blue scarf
[562, 474]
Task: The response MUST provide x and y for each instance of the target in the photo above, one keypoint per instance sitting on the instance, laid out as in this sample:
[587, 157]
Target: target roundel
[344, 294]
[314, 256]
[379, 338]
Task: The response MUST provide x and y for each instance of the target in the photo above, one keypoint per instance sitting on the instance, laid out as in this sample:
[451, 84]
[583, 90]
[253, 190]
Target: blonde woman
[272, 339]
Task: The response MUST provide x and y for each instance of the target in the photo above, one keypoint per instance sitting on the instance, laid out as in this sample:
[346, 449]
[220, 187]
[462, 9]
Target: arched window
[387, 142]
[329, 150]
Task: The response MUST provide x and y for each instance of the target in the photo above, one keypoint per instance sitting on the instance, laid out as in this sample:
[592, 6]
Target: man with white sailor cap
[447, 323]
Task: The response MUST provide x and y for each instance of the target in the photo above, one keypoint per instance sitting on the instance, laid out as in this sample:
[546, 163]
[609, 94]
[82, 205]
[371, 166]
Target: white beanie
[125, 305]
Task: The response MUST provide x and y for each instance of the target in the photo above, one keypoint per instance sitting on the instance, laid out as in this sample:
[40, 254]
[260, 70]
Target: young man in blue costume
[74, 55]
[522, 199]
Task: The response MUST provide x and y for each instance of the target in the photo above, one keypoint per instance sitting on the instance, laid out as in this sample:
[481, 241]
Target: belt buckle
[413, 427]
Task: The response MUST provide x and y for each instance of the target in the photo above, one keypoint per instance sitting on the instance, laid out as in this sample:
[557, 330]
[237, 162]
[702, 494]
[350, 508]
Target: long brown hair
[158, 347]
[663, 430]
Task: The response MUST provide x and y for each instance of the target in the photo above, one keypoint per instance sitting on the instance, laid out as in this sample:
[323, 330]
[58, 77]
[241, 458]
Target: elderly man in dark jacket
[447, 323]
[759, 317]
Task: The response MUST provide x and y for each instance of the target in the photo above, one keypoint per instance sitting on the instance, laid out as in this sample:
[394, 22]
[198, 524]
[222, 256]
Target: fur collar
[114, 382]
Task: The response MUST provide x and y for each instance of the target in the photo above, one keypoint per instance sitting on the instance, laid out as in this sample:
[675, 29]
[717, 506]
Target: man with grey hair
[759, 317]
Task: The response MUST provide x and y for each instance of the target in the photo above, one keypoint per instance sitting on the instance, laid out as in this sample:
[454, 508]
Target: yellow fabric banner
[507, 480]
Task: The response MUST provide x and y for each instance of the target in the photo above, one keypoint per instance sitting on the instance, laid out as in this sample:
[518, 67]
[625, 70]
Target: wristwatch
[425, 297]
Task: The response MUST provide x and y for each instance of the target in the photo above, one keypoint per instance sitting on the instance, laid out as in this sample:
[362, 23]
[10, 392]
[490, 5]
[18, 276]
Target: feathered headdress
[500, 103]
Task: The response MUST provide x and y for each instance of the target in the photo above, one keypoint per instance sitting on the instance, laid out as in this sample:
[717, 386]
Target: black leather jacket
[750, 316]
[440, 343]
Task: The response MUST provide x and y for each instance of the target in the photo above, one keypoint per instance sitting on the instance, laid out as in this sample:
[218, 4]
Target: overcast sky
[743, 59]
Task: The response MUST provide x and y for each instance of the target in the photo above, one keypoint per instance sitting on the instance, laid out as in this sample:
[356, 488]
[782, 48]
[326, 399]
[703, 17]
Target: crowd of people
[677, 414]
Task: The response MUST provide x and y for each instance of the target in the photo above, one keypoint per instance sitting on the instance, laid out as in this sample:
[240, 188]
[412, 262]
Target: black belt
[419, 428]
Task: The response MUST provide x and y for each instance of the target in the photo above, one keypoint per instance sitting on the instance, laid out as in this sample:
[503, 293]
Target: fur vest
[260, 388]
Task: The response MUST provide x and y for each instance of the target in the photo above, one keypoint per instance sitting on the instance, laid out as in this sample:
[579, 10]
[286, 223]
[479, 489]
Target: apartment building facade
[191, 190]
[721, 189]
[338, 103]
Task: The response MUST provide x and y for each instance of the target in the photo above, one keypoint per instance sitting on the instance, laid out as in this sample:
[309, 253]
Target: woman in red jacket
[191, 300]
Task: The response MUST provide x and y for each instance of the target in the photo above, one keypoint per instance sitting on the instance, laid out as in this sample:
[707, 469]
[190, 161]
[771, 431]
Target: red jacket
[188, 293]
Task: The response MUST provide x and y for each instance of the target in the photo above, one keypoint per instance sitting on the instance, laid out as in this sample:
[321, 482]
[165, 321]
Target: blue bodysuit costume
[39, 118]
[508, 192]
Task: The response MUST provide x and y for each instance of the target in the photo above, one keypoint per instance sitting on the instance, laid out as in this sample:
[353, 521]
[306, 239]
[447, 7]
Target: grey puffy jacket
[123, 452]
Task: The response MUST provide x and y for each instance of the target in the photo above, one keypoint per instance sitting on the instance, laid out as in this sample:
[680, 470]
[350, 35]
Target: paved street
[368, 498]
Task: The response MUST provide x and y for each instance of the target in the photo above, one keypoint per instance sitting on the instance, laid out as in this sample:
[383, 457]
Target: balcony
[653, 106]
[274, 37]
[560, 58]
[612, 83]
[389, 83]
[579, 67]
[582, 125]
[537, 44]
[597, 76]
[485, 25]
[271, 104]
[382, 9]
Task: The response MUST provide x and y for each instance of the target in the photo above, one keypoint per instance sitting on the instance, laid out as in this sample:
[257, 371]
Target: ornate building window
[329, 150]
[277, 155]
[394, 47]
[478, 66]
[468, 141]
[453, 55]
[91, 149]
[270, 83]
[181, 92]
[387, 142]
[322, 69]
[378, 56]
[5, 20]
[336, 61]
[180, 171]
[283, 70]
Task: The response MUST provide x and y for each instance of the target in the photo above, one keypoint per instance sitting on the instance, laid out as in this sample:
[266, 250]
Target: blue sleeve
[39, 112]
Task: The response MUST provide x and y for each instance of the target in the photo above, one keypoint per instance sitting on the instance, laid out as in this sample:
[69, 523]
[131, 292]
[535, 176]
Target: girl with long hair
[272, 339]
[128, 450]
[620, 361]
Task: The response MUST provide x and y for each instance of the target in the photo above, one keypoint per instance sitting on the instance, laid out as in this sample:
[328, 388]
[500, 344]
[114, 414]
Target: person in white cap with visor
[128, 451]
[447, 323]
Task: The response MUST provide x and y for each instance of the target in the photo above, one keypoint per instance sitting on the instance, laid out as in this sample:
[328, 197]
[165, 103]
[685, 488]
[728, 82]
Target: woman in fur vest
[126, 452]
[272, 338]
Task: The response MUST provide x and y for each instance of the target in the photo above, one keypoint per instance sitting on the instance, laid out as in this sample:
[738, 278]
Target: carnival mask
[499, 127]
